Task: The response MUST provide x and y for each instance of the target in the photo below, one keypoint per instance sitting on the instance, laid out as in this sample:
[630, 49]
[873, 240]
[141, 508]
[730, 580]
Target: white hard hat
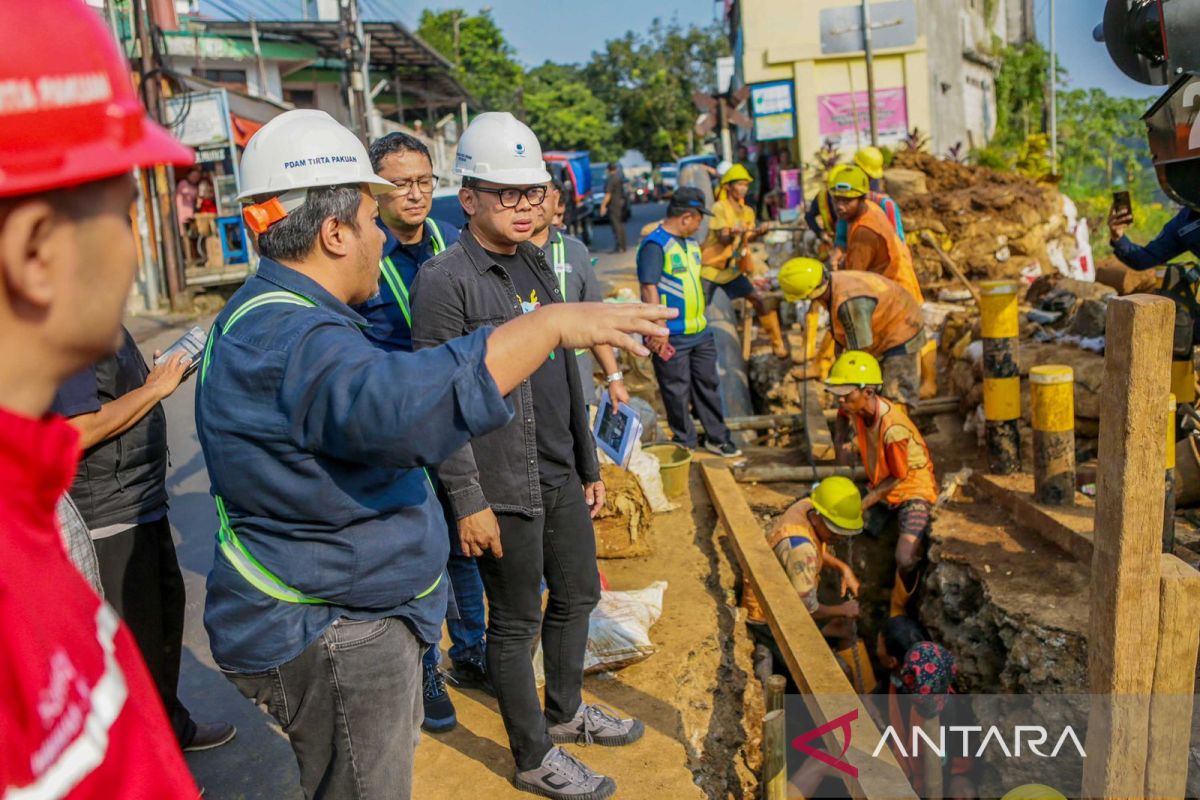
[724, 167]
[300, 150]
[498, 148]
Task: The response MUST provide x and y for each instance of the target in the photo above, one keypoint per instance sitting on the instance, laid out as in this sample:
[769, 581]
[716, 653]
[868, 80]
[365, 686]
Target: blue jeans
[467, 631]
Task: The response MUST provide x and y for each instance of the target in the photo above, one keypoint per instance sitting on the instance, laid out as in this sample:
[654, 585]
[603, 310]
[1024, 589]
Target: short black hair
[900, 634]
[294, 237]
[397, 142]
[558, 185]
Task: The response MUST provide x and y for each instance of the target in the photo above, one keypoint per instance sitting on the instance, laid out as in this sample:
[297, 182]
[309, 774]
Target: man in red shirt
[79, 715]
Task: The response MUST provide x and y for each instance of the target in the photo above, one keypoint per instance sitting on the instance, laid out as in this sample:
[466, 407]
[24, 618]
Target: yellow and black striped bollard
[1169, 499]
[1001, 376]
[1052, 397]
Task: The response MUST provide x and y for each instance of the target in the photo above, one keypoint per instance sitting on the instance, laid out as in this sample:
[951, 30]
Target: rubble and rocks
[623, 525]
[993, 224]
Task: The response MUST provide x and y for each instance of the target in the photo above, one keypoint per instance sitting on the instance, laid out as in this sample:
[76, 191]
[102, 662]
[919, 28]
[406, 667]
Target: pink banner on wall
[838, 113]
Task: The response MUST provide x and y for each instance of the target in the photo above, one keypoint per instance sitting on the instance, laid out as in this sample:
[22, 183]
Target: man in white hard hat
[328, 579]
[524, 494]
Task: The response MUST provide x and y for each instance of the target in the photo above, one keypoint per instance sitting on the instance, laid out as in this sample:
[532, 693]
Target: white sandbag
[619, 628]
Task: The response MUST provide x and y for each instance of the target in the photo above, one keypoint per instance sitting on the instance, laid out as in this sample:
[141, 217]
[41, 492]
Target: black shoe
[726, 450]
[439, 710]
[471, 672]
[209, 735]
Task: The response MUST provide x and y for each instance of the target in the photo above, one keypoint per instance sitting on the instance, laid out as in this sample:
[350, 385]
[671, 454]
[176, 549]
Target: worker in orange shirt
[872, 244]
[866, 312]
[899, 466]
[725, 256]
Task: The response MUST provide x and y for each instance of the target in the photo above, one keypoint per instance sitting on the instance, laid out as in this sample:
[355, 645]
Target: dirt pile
[992, 224]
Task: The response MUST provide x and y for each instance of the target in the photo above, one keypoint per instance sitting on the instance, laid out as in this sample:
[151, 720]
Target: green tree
[483, 58]
[647, 80]
[1020, 93]
[565, 114]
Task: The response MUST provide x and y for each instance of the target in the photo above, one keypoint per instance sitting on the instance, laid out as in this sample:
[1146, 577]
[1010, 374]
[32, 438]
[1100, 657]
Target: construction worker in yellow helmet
[872, 244]
[725, 255]
[800, 538]
[866, 312]
[900, 474]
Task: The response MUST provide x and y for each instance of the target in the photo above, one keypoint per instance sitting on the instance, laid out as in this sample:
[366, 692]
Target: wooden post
[1124, 619]
[776, 686]
[774, 756]
[1174, 673]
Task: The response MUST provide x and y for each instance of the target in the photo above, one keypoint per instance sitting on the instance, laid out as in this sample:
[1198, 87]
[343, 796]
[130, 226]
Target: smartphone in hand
[190, 344]
[1122, 205]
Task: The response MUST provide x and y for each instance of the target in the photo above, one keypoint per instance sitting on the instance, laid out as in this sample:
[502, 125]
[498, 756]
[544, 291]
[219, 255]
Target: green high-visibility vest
[392, 275]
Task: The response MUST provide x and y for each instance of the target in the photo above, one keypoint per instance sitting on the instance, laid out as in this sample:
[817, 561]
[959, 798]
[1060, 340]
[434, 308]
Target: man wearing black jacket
[524, 495]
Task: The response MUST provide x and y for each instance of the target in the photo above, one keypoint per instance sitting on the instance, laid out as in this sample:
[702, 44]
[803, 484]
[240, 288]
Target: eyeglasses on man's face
[425, 185]
[510, 197]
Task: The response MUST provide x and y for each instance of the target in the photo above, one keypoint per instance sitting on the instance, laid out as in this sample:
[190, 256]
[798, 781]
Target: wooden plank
[816, 428]
[777, 473]
[826, 691]
[1174, 673]
[1123, 626]
[1067, 527]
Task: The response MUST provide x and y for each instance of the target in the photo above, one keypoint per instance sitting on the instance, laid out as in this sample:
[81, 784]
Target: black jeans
[560, 546]
[351, 707]
[140, 575]
[689, 378]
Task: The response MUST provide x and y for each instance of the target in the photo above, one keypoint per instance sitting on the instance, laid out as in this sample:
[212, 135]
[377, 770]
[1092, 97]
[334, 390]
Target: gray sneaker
[562, 776]
[597, 724]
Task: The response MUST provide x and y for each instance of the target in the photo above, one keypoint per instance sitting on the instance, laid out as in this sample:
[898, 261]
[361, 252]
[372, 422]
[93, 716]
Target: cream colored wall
[782, 41]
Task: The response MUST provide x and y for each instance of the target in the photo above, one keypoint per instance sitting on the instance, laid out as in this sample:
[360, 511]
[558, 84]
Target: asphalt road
[258, 764]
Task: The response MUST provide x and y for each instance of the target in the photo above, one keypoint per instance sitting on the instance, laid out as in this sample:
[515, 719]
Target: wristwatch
[613, 378]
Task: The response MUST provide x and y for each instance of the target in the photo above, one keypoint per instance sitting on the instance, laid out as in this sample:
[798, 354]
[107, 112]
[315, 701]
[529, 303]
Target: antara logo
[801, 743]
[1029, 736]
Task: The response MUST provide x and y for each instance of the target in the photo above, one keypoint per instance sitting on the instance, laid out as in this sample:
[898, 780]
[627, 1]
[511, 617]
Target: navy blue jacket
[316, 438]
[1177, 237]
[388, 327]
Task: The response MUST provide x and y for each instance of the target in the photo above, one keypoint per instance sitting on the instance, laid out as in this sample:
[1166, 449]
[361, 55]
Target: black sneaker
[471, 672]
[439, 710]
[209, 735]
[596, 724]
[561, 776]
[726, 450]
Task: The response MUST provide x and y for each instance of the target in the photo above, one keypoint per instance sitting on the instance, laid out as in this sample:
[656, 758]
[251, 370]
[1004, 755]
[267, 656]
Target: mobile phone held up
[191, 344]
[1121, 204]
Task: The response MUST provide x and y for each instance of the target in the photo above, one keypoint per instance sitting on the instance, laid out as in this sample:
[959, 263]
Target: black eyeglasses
[511, 197]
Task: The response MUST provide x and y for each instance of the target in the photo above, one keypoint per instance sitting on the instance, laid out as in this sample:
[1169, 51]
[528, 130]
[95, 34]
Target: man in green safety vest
[328, 580]
[685, 362]
[577, 281]
[412, 236]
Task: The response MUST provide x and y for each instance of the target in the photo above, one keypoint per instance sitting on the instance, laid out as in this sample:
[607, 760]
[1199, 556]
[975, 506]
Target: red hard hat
[68, 112]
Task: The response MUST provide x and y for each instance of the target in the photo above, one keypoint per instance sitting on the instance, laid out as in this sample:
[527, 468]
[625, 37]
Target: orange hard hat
[68, 111]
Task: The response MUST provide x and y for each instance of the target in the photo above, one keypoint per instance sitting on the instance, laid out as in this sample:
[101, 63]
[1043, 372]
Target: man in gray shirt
[577, 280]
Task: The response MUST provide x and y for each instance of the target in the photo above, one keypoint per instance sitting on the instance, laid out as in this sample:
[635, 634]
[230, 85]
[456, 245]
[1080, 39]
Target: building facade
[935, 63]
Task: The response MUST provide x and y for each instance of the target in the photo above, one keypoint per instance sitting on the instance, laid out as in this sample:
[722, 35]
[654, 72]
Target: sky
[1086, 60]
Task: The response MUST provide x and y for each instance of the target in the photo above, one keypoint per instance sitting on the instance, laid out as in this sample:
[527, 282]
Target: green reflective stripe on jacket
[558, 257]
[435, 236]
[399, 290]
[265, 299]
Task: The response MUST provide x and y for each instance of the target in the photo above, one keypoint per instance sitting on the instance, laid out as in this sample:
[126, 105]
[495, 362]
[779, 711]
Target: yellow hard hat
[1034, 791]
[855, 368]
[735, 173]
[800, 278]
[848, 180]
[838, 502]
[870, 159]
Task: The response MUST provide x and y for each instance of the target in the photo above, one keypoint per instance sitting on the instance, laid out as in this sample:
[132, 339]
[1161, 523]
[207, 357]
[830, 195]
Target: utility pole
[866, 31]
[168, 228]
[352, 59]
[1053, 95]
